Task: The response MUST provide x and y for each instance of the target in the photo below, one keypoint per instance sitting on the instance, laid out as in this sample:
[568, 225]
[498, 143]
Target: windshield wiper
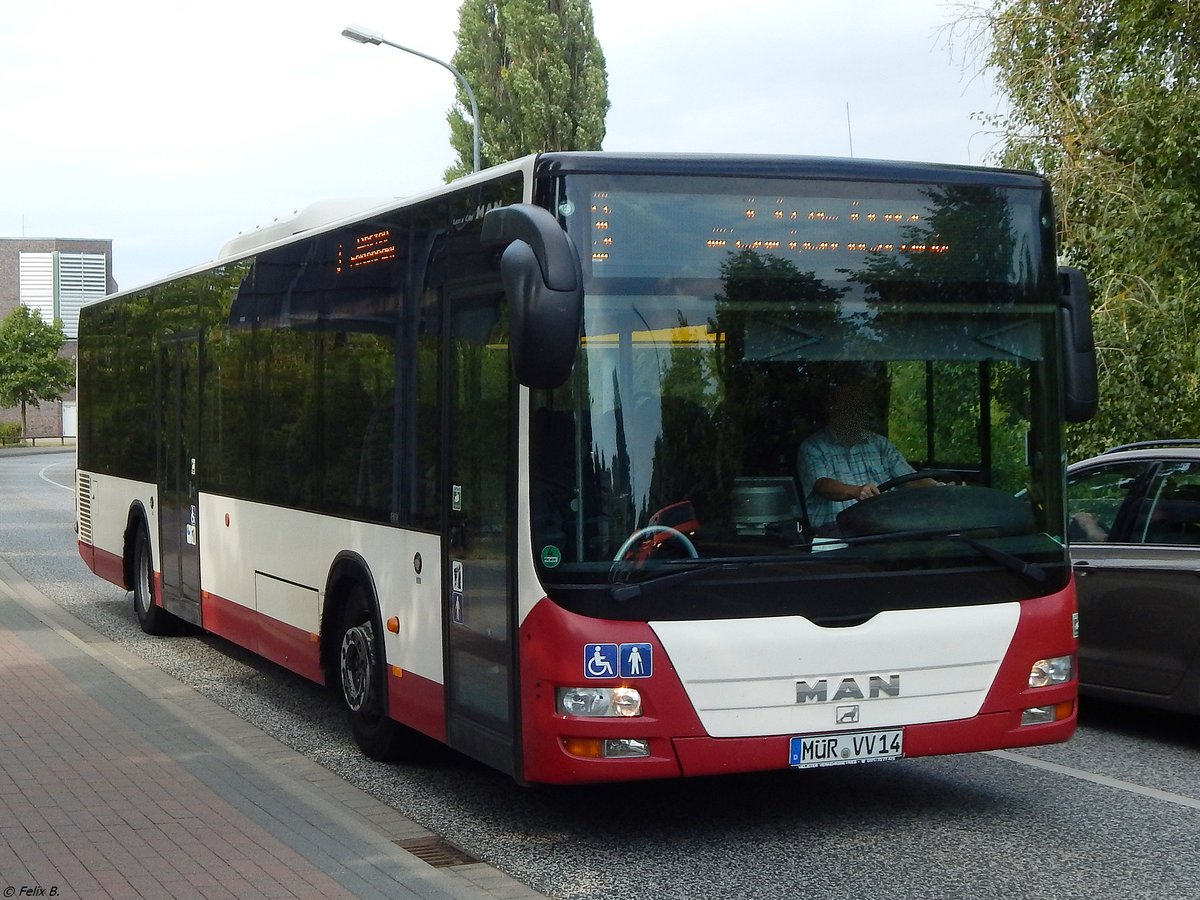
[624, 591]
[1031, 570]
[683, 569]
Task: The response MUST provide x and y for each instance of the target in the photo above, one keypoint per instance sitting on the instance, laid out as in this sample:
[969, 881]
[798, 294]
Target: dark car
[1134, 532]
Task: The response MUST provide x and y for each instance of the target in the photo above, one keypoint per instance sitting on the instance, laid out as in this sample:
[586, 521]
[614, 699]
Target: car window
[1170, 512]
[1100, 501]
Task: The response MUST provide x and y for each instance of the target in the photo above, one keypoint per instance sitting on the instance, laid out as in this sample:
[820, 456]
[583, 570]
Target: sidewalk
[118, 781]
[47, 446]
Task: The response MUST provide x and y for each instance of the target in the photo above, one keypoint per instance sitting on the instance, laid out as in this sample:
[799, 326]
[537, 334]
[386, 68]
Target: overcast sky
[171, 126]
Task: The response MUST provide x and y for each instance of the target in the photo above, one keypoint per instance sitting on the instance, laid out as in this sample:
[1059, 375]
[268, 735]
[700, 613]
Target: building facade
[55, 276]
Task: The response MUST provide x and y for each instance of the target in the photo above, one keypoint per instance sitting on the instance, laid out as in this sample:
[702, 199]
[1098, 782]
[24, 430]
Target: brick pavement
[118, 781]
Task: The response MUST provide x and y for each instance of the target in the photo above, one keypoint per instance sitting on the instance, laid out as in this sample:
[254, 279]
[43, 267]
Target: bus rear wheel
[360, 666]
[152, 618]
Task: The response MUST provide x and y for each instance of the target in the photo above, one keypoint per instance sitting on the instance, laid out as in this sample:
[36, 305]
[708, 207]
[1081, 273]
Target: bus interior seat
[763, 503]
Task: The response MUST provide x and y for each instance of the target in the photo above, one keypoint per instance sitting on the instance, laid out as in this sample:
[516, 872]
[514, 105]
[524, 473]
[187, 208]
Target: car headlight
[596, 701]
[1056, 670]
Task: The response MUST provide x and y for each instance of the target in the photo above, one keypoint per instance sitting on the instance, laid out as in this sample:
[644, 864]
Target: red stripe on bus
[107, 565]
[87, 552]
[417, 702]
[289, 646]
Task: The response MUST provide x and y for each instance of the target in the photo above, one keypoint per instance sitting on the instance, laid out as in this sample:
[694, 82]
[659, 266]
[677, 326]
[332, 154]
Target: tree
[538, 75]
[1104, 98]
[30, 368]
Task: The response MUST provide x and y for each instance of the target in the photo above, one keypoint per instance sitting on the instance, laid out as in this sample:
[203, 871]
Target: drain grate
[436, 852]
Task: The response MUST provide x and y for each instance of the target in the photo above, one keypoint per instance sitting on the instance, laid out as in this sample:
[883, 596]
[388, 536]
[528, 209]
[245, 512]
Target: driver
[845, 461]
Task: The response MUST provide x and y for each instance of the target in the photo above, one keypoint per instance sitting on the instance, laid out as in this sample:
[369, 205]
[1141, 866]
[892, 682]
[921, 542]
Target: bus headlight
[1056, 670]
[595, 701]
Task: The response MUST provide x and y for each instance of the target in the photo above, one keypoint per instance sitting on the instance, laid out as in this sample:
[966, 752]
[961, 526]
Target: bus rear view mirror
[1080, 395]
[544, 283]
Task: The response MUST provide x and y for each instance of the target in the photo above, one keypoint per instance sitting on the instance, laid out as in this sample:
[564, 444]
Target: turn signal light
[606, 748]
[1043, 715]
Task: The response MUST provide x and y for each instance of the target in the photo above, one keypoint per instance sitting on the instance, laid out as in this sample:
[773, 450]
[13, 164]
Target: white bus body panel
[743, 675]
[111, 499]
[276, 561]
[529, 587]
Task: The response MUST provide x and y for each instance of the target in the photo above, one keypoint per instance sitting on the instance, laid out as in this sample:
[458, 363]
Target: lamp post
[361, 35]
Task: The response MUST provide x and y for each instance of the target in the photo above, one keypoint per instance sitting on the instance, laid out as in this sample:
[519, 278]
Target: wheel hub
[358, 666]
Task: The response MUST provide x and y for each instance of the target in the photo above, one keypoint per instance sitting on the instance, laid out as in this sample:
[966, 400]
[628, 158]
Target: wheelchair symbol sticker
[600, 660]
[617, 660]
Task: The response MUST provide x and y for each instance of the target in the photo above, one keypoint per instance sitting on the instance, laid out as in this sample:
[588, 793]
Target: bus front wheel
[361, 677]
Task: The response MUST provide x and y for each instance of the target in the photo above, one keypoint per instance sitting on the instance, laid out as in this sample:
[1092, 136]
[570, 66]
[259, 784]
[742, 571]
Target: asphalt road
[1113, 813]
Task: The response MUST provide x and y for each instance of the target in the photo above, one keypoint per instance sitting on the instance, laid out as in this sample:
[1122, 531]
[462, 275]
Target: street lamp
[361, 35]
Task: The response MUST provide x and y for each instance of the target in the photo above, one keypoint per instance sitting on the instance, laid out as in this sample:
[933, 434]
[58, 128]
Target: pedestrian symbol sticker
[617, 661]
[635, 660]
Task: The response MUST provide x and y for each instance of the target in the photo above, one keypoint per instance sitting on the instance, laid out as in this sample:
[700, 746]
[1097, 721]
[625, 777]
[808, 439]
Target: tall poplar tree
[1104, 98]
[538, 75]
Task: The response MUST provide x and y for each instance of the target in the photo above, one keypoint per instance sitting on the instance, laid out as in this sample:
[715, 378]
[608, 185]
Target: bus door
[478, 496]
[178, 495]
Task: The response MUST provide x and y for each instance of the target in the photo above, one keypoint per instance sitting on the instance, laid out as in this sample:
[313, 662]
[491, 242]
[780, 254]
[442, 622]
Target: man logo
[847, 715]
[848, 689]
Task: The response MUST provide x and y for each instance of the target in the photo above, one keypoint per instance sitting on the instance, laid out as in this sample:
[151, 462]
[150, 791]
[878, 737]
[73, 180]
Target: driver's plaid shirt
[872, 460]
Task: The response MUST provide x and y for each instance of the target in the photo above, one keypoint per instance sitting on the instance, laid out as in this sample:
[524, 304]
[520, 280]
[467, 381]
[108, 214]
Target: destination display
[365, 250]
[637, 234]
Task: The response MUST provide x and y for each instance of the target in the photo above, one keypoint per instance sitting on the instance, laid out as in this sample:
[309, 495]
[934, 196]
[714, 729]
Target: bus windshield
[721, 319]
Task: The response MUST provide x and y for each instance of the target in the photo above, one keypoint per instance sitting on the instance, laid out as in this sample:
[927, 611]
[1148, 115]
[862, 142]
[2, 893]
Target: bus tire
[152, 618]
[360, 673]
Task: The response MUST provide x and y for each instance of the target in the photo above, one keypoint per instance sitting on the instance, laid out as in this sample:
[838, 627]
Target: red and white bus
[513, 464]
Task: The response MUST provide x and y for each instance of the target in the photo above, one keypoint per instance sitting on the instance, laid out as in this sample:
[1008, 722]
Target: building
[55, 276]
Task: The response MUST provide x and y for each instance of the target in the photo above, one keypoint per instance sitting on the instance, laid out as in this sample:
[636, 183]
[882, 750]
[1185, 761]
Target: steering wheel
[648, 532]
[631, 557]
[916, 476]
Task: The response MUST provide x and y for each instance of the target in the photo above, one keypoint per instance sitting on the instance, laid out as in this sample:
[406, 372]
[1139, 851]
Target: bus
[512, 465]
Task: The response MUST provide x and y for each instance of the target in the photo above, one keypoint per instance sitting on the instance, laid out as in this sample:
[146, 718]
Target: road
[1114, 813]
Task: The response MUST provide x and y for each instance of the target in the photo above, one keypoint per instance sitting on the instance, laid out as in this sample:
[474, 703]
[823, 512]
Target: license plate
[845, 748]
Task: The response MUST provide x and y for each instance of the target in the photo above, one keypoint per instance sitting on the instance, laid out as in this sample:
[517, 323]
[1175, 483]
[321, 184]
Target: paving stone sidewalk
[118, 781]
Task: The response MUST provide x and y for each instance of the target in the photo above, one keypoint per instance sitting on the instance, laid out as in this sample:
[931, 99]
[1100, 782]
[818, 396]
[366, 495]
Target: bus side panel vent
[84, 506]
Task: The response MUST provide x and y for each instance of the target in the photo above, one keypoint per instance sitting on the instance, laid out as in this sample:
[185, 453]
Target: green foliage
[1104, 98]
[954, 390]
[538, 75]
[30, 368]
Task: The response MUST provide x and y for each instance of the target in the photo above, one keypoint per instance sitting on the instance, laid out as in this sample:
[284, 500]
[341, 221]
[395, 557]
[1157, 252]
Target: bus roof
[768, 166]
[326, 215]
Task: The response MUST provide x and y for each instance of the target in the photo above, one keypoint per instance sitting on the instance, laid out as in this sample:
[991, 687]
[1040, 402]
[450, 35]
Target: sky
[170, 127]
